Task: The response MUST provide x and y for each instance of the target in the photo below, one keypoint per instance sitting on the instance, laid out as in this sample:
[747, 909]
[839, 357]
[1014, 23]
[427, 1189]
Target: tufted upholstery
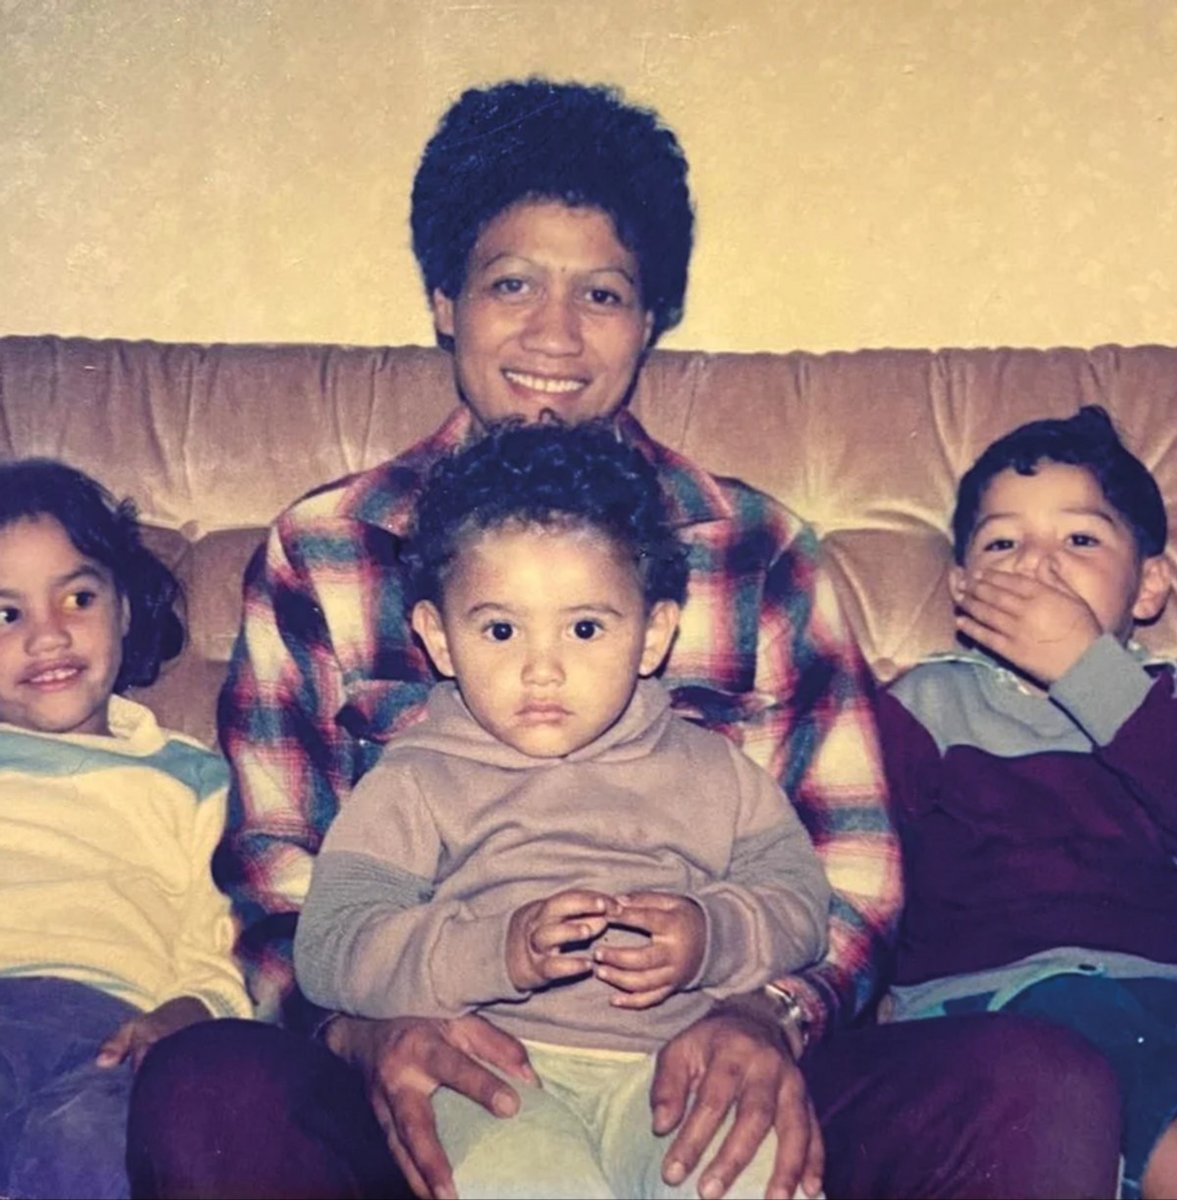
[213, 440]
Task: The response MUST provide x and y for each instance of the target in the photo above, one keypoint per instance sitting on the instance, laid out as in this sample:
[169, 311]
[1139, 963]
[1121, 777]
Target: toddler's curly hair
[549, 475]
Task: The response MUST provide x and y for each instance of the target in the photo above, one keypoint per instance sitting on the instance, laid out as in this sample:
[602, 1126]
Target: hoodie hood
[451, 729]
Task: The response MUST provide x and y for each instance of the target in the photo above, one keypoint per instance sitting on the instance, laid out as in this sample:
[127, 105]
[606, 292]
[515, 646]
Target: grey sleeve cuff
[468, 963]
[1103, 689]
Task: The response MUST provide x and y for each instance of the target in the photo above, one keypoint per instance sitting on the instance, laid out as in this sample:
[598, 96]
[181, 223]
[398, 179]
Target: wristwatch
[791, 1018]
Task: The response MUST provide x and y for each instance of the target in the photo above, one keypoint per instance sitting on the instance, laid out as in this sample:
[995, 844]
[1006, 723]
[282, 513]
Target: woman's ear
[661, 625]
[443, 312]
[430, 628]
[1156, 581]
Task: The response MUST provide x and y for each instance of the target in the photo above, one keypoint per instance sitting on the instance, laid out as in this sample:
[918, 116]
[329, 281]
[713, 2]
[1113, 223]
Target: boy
[534, 847]
[1035, 779]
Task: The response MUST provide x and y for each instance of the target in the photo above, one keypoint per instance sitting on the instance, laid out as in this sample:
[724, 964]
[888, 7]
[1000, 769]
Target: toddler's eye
[586, 629]
[9, 615]
[998, 545]
[500, 631]
[1084, 539]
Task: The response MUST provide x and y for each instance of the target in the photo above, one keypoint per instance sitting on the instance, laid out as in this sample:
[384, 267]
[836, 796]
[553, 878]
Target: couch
[212, 441]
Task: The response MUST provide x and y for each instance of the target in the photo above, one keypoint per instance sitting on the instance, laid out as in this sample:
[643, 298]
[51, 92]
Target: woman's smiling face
[550, 316]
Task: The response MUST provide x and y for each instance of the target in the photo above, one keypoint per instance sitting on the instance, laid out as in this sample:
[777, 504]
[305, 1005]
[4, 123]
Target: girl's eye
[500, 631]
[82, 598]
[9, 615]
[586, 629]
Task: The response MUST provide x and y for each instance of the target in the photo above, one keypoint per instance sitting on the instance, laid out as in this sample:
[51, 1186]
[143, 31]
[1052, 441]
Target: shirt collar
[693, 496]
[1009, 678]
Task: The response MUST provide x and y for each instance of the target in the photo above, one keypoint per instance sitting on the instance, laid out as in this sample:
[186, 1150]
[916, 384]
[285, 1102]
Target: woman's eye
[586, 630]
[500, 631]
[605, 296]
[510, 285]
[9, 615]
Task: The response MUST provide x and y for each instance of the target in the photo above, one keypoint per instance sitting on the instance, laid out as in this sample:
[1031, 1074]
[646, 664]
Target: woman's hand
[733, 1059]
[135, 1037]
[404, 1060]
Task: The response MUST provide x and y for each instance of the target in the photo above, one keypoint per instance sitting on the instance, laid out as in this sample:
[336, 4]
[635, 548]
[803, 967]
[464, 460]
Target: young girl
[112, 933]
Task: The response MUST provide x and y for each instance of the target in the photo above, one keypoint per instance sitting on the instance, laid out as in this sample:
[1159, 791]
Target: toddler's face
[62, 623]
[547, 633]
[1059, 519]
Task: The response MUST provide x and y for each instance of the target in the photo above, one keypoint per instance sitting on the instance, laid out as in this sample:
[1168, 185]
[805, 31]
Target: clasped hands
[559, 937]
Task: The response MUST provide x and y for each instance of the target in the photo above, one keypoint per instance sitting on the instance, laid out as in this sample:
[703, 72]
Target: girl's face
[62, 623]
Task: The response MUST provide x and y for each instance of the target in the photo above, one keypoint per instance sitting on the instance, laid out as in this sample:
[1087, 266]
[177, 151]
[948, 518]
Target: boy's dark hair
[578, 144]
[552, 475]
[108, 532]
[1088, 439]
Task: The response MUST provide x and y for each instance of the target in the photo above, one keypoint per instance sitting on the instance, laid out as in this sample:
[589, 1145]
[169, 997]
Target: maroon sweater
[1031, 822]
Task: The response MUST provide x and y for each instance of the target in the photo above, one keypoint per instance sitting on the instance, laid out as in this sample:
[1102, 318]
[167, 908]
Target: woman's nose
[554, 327]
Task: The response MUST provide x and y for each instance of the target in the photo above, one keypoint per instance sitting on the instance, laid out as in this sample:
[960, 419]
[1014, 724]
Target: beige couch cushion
[212, 441]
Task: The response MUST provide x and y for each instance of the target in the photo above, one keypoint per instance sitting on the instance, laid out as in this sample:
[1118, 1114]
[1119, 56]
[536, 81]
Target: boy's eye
[499, 631]
[9, 615]
[998, 545]
[586, 629]
[1083, 539]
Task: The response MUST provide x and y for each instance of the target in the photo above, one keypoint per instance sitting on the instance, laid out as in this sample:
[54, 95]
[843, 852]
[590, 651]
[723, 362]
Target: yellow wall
[867, 172]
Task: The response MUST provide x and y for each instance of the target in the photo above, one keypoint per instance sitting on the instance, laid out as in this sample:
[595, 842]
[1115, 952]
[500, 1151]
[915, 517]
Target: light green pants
[585, 1134]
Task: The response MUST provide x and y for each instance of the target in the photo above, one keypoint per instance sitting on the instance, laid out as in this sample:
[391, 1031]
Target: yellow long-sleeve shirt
[106, 845]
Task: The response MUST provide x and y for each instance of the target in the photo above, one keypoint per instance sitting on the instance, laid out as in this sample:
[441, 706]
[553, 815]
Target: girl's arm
[203, 965]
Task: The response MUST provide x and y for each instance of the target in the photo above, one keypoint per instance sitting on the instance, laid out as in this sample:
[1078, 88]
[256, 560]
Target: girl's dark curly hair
[579, 144]
[1088, 439]
[552, 475]
[108, 532]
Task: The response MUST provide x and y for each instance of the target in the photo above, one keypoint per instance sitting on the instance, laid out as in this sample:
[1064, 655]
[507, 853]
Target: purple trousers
[982, 1106]
[62, 1118]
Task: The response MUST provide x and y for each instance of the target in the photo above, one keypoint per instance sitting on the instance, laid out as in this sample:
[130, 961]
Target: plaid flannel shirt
[325, 669]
